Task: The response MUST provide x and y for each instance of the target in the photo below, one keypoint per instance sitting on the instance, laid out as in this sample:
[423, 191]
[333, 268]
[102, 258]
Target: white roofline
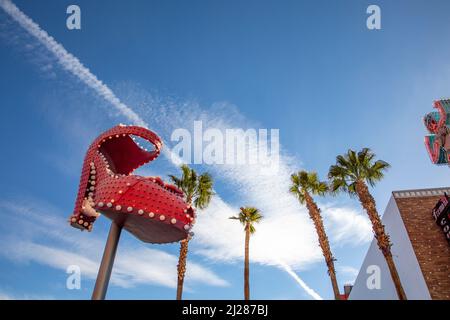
[416, 193]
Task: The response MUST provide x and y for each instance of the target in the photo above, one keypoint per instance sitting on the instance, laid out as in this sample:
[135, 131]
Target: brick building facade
[420, 249]
[427, 238]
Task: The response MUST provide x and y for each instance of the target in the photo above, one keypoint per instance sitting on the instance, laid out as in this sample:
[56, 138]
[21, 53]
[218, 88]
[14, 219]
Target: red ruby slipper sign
[147, 207]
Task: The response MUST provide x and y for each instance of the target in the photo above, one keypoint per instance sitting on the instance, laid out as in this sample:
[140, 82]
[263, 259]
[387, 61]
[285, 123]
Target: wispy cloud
[68, 61]
[12, 296]
[349, 273]
[286, 236]
[135, 265]
[347, 226]
[5, 296]
[348, 270]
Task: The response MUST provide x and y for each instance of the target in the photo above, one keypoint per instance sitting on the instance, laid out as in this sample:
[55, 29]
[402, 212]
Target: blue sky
[309, 68]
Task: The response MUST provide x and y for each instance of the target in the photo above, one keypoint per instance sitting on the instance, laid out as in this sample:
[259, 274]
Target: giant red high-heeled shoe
[147, 207]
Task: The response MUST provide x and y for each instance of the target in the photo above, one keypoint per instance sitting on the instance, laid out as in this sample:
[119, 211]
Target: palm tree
[304, 185]
[248, 216]
[198, 190]
[351, 174]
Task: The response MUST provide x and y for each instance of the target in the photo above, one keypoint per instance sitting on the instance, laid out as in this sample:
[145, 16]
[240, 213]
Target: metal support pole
[104, 272]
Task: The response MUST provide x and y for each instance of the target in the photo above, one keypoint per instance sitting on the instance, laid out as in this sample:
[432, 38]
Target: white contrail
[69, 62]
[302, 283]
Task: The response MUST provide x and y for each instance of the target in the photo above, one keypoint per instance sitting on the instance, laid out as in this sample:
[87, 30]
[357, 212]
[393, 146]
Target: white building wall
[404, 257]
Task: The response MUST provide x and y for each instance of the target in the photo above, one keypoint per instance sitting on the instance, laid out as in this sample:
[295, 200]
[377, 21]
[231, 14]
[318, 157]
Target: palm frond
[321, 188]
[248, 216]
[204, 191]
[197, 189]
[304, 181]
[176, 181]
[352, 167]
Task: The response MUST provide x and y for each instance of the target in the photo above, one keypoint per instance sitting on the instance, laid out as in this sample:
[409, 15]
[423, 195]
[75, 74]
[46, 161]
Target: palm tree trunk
[181, 267]
[314, 213]
[246, 264]
[332, 273]
[368, 203]
[182, 259]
